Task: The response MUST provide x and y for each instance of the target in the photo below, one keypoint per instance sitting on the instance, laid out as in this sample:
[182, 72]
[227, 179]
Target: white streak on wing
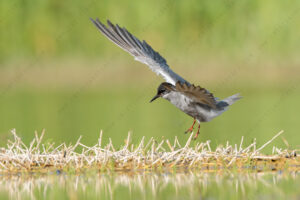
[161, 69]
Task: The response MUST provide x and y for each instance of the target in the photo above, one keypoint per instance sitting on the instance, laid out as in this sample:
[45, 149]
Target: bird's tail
[230, 100]
[223, 104]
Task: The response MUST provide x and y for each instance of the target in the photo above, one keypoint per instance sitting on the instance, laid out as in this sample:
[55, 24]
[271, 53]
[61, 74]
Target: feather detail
[141, 51]
[197, 94]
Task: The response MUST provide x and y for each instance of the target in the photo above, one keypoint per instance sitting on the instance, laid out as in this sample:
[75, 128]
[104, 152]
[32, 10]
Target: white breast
[178, 99]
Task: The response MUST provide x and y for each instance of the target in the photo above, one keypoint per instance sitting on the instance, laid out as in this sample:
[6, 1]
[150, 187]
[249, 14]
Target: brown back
[197, 94]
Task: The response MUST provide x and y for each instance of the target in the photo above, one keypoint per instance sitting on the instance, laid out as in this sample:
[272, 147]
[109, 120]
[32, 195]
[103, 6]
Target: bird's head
[163, 89]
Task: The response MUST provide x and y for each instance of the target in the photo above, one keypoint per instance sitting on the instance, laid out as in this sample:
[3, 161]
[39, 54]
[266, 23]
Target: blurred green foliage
[62, 28]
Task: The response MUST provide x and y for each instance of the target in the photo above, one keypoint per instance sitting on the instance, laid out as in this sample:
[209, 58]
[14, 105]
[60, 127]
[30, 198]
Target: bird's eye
[161, 91]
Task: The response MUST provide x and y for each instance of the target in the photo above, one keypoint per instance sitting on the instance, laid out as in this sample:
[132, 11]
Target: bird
[195, 101]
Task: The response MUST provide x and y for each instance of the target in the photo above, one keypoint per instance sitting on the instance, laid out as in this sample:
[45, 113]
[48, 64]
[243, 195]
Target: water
[151, 185]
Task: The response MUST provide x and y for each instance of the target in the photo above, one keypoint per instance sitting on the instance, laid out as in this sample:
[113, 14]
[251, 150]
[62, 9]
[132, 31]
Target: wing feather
[197, 94]
[141, 51]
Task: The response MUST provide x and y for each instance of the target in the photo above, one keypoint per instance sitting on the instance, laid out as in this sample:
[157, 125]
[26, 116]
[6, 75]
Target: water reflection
[147, 185]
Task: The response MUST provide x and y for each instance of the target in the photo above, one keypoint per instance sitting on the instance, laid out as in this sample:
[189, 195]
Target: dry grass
[151, 155]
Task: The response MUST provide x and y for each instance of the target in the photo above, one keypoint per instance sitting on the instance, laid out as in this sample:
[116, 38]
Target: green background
[59, 73]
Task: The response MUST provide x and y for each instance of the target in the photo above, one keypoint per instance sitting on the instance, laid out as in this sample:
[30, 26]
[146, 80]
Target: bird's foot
[198, 131]
[191, 128]
[196, 136]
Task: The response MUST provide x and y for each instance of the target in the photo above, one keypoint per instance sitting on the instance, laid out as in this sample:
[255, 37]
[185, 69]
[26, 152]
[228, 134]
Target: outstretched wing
[197, 94]
[140, 50]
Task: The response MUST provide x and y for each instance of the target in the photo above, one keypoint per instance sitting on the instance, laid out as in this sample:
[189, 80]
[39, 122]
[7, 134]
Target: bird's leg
[191, 128]
[198, 131]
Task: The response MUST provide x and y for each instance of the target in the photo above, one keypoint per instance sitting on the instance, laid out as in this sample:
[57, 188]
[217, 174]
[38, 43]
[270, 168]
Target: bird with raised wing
[193, 100]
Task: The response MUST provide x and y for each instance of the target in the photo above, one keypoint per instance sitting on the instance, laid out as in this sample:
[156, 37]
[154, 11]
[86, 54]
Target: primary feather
[141, 51]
